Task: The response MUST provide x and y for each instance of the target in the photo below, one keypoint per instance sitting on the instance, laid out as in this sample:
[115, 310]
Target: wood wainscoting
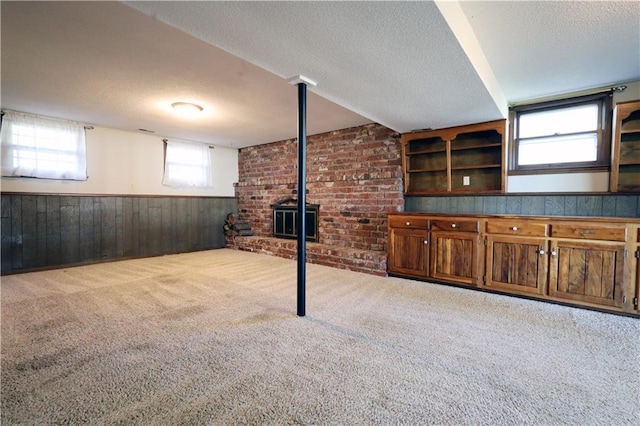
[41, 231]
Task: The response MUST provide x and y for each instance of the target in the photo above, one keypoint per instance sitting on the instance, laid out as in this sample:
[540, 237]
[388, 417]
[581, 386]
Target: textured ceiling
[406, 65]
[104, 63]
[540, 48]
[393, 63]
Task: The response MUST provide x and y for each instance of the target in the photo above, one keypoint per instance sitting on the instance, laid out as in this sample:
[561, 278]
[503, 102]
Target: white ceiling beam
[461, 28]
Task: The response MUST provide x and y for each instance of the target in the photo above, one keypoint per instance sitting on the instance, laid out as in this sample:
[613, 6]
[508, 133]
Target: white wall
[567, 182]
[128, 163]
[571, 182]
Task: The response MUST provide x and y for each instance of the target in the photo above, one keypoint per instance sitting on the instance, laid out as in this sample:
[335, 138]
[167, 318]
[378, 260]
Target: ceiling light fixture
[186, 109]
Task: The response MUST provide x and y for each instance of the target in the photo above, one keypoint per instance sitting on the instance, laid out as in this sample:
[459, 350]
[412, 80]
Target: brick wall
[354, 175]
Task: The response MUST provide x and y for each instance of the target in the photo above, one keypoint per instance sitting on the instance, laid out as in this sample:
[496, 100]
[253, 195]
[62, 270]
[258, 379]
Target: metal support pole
[301, 214]
[301, 222]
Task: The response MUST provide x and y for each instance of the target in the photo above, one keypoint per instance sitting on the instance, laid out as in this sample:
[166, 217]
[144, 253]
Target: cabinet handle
[453, 225]
[553, 252]
[515, 228]
[426, 241]
[541, 251]
[408, 223]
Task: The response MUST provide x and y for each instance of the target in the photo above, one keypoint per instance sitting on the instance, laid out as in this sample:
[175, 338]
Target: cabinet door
[587, 272]
[517, 264]
[408, 252]
[636, 299]
[454, 256]
[637, 289]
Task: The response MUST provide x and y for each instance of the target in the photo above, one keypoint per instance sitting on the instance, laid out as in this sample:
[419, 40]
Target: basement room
[336, 213]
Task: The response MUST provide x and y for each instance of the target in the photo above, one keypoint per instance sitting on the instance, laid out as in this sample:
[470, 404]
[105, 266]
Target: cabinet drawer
[412, 222]
[515, 227]
[589, 232]
[455, 225]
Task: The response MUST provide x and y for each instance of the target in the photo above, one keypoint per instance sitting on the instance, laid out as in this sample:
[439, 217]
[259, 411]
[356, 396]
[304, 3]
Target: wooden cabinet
[625, 166]
[408, 245]
[465, 159]
[587, 272]
[425, 164]
[590, 262]
[445, 249]
[454, 250]
[636, 264]
[592, 271]
[517, 255]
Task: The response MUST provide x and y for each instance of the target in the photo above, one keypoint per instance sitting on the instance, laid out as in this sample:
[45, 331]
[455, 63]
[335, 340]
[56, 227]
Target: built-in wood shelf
[465, 159]
[625, 164]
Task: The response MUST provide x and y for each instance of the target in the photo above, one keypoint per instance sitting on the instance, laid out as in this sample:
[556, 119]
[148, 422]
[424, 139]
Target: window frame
[603, 132]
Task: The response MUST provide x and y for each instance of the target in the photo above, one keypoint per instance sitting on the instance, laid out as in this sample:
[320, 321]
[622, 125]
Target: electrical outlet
[466, 180]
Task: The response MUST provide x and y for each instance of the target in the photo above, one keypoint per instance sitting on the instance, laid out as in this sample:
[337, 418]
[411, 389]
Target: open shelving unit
[464, 159]
[426, 162]
[625, 166]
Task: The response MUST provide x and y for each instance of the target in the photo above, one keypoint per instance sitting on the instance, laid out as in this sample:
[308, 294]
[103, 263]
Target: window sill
[557, 171]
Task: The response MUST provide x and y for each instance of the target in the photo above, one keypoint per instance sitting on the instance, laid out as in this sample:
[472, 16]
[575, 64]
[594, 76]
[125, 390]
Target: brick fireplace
[353, 174]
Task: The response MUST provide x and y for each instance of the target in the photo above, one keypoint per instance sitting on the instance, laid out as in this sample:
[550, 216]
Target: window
[40, 147]
[187, 165]
[562, 136]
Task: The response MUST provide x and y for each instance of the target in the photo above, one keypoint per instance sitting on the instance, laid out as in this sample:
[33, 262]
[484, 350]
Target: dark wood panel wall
[40, 231]
[541, 205]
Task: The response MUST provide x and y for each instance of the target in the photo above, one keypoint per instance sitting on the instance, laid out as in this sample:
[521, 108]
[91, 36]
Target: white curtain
[187, 165]
[41, 147]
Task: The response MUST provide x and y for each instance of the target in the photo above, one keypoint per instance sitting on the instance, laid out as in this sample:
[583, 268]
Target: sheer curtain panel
[41, 147]
[187, 165]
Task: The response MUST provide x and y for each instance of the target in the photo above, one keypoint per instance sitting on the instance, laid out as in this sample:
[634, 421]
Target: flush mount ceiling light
[186, 109]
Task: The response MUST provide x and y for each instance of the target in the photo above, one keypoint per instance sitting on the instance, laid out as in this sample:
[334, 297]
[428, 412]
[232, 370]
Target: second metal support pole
[301, 222]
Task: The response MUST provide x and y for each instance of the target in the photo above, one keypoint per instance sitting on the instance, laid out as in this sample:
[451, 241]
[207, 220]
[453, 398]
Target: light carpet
[212, 338]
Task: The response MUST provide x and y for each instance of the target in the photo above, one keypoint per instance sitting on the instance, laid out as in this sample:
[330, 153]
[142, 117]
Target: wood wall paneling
[606, 205]
[5, 226]
[39, 231]
[69, 229]
[167, 221]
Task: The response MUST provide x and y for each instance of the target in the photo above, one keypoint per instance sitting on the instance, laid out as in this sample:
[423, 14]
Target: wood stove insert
[285, 213]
